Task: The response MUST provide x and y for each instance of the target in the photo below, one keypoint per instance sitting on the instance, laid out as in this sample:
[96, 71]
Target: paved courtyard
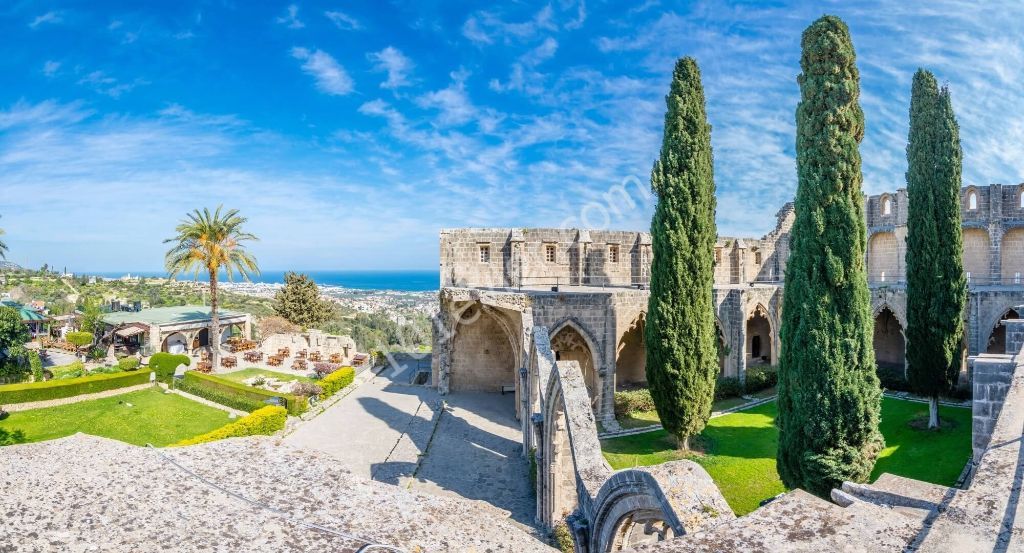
[382, 429]
[378, 431]
[477, 454]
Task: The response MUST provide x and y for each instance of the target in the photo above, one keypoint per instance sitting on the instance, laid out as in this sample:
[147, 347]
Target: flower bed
[233, 394]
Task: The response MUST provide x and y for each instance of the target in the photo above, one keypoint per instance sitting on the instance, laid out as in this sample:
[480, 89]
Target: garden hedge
[128, 363]
[199, 383]
[263, 421]
[335, 381]
[57, 389]
[166, 363]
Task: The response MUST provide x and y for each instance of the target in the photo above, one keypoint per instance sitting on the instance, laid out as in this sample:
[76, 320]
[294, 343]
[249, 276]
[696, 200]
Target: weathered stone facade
[589, 289]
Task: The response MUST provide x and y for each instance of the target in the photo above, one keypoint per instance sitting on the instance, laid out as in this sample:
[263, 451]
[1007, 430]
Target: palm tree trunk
[214, 322]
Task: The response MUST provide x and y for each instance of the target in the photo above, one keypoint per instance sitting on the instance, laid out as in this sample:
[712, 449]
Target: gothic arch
[900, 317]
[889, 339]
[492, 356]
[631, 353]
[571, 343]
[760, 336]
[630, 510]
[996, 342]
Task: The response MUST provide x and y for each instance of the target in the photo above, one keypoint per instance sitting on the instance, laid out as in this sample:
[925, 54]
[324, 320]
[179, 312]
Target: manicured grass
[740, 450]
[239, 376]
[154, 417]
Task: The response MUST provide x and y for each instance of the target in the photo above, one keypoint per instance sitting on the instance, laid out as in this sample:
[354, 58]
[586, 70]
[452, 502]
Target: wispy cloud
[396, 64]
[331, 77]
[104, 83]
[485, 27]
[47, 18]
[290, 18]
[343, 21]
[50, 68]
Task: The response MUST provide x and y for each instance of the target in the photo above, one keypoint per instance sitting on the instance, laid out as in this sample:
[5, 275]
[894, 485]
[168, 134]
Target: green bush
[36, 364]
[263, 421]
[228, 399]
[296, 404]
[893, 379]
[562, 537]
[105, 370]
[12, 437]
[633, 401]
[761, 379]
[128, 363]
[164, 364]
[335, 381]
[727, 387]
[56, 389]
[80, 339]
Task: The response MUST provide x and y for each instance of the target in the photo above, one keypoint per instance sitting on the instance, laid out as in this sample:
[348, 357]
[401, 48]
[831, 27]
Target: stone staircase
[911, 498]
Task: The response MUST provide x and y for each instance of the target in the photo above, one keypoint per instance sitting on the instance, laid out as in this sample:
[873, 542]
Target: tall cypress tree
[936, 284]
[829, 399]
[682, 360]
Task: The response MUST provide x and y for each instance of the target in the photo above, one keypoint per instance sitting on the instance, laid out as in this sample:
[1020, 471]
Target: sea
[400, 280]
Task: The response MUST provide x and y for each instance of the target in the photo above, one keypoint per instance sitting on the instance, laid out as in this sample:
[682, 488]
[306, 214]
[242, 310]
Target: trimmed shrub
[228, 399]
[263, 421]
[36, 364]
[164, 364]
[105, 370]
[323, 369]
[128, 364]
[80, 339]
[335, 381]
[11, 437]
[633, 401]
[56, 389]
[728, 386]
[761, 379]
[296, 404]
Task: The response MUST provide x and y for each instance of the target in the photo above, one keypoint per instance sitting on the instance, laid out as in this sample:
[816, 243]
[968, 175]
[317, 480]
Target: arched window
[886, 205]
[972, 200]
[1020, 197]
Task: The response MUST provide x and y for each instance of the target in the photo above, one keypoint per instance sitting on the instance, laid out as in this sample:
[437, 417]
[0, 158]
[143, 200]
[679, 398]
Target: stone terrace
[84, 493]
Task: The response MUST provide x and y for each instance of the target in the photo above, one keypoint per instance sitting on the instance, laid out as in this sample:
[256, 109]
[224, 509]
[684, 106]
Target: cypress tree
[936, 284]
[299, 301]
[829, 399]
[682, 359]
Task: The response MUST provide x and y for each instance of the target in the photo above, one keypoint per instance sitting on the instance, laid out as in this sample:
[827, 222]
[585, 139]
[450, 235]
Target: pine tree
[299, 301]
[936, 284]
[682, 359]
[829, 399]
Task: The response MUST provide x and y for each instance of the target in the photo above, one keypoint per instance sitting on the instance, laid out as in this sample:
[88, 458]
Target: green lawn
[154, 417]
[239, 376]
[740, 450]
[641, 419]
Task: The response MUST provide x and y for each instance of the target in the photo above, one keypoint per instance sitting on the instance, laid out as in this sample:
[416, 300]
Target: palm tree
[212, 243]
[3, 246]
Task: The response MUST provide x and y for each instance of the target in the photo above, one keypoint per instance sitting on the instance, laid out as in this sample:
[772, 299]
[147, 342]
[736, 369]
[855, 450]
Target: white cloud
[484, 27]
[343, 21]
[50, 68]
[331, 77]
[396, 64]
[48, 17]
[291, 18]
[103, 83]
[541, 53]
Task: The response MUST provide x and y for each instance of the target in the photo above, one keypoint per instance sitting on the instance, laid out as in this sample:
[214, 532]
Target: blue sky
[351, 132]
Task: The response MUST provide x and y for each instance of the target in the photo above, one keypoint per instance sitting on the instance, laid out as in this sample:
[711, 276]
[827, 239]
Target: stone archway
[483, 357]
[888, 340]
[997, 339]
[559, 465]
[759, 338]
[569, 344]
[631, 355]
[175, 343]
[202, 339]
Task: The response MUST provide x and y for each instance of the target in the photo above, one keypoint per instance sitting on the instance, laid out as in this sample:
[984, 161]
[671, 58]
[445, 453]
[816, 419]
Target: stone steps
[911, 498]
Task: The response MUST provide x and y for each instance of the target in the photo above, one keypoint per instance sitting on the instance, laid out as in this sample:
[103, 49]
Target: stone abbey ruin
[556, 316]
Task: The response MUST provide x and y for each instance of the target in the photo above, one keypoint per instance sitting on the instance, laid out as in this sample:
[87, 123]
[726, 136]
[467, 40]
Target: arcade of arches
[631, 355]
